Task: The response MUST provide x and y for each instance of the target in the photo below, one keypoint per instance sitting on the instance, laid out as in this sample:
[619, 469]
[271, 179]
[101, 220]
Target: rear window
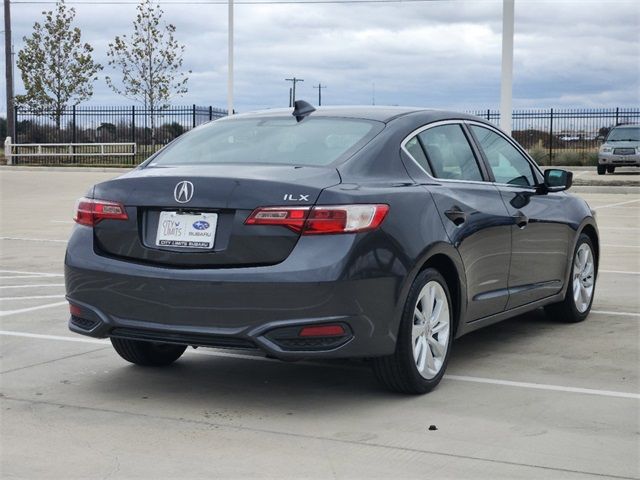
[313, 141]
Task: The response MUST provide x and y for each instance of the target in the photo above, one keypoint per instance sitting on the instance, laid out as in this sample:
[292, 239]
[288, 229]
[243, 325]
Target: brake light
[90, 212]
[321, 219]
[292, 218]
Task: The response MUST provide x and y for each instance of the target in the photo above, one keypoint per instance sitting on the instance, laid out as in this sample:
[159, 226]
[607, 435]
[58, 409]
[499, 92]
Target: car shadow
[261, 383]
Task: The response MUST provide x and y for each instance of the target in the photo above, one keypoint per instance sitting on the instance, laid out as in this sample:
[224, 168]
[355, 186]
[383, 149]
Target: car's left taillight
[89, 211]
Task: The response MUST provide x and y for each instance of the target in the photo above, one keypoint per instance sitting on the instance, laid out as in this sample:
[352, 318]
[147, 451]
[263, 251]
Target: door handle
[521, 219]
[457, 216]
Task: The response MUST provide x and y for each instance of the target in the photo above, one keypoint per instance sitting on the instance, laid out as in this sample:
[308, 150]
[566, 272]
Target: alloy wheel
[431, 329]
[583, 277]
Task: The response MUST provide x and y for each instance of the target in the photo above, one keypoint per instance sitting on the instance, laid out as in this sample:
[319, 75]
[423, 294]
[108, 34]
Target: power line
[224, 2]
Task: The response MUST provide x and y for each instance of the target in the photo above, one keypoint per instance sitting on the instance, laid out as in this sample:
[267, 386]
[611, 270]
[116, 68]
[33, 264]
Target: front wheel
[602, 169]
[424, 339]
[148, 354]
[611, 169]
[582, 283]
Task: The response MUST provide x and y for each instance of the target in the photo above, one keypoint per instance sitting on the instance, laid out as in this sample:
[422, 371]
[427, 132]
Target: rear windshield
[624, 134]
[313, 141]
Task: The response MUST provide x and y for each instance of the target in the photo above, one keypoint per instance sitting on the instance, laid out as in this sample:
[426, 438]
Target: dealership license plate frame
[183, 234]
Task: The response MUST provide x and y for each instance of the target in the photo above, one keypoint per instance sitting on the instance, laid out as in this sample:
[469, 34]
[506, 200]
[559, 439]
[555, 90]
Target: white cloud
[441, 54]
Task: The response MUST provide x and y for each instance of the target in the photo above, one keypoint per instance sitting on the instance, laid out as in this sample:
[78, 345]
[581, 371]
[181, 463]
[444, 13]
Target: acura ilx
[380, 233]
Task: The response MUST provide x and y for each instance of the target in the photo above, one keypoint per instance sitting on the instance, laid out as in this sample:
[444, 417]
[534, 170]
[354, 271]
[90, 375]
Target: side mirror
[557, 180]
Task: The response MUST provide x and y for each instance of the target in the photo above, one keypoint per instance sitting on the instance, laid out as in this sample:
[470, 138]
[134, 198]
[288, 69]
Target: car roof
[378, 113]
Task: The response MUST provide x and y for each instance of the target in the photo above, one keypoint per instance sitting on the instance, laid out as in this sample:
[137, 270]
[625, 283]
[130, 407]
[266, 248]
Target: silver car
[621, 148]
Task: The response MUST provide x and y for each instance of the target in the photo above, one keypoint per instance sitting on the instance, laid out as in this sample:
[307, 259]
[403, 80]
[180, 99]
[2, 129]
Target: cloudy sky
[434, 53]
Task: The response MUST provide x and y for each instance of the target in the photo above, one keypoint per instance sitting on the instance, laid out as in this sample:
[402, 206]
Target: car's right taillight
[329, 219]
[89, 211]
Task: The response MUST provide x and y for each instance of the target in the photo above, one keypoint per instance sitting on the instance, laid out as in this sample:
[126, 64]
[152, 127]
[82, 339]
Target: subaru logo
[201, 225]
[183, 191]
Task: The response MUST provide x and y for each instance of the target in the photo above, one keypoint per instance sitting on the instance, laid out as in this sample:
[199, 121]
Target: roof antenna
[301, 109]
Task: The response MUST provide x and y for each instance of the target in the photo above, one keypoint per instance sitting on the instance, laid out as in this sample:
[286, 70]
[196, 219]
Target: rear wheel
[602, 169]
[424, 339]
[577, 302]
[148, 354]
[611, 169]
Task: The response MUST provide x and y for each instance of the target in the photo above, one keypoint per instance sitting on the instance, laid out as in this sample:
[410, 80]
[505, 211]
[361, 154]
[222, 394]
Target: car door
[540, 229]
[472, 211]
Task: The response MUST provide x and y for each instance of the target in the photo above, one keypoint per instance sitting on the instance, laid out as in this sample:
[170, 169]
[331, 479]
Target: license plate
[186, 230]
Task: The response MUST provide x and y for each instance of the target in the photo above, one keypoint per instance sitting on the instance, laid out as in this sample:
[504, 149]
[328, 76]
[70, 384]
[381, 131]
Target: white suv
[621, 148]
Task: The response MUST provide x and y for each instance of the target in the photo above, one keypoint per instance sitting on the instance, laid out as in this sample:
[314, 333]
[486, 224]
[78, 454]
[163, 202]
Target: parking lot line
[39, 285]
[619, 272]
[21, 239]
[30, 309]
[600, 227]
[34, 297]
[607, 245]
[617, 204]
[33, 274]
[611, 312]
[542, 386]
[462, 378]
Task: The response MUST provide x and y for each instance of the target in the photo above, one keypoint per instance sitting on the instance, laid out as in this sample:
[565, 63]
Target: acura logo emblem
[183, 191]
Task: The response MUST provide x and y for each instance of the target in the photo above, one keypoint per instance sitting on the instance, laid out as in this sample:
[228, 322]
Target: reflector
[322, 331]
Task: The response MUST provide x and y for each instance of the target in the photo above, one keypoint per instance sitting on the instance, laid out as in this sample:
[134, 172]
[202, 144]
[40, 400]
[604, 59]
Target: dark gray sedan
[378, 233]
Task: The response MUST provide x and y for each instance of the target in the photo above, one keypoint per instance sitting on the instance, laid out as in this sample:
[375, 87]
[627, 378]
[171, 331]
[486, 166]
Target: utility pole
[8, 66]
[319, 87]
[290, 97]
[506, 84]
[229, 61]
[293, 80]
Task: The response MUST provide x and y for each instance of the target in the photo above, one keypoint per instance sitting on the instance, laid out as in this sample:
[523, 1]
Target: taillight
[292, 218]
[89, 211]
[321, 219]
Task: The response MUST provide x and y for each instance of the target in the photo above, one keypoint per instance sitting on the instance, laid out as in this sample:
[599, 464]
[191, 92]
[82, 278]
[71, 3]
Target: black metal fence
[149, 129]
[552, 136]
[568, 137]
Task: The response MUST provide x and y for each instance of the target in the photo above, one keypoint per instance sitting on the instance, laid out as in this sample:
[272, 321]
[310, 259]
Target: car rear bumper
[250, 307]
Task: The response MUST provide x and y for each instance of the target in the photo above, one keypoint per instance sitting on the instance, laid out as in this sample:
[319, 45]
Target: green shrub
[568, 159]
[540, 155]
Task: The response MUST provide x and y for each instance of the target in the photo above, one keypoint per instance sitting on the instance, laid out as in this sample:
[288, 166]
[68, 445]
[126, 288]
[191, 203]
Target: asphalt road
[527, 398]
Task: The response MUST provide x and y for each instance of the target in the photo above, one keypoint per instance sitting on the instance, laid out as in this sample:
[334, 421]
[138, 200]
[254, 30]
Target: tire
[611, 169]
[147, 354]
[572, 309]
[602, 169]
[400, 372]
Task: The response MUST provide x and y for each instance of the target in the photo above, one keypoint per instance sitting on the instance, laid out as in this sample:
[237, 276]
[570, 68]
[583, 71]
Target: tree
[56, 68]
[150, 60]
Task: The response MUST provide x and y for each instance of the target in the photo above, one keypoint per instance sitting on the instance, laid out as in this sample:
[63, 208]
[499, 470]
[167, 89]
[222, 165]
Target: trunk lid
[225, 193]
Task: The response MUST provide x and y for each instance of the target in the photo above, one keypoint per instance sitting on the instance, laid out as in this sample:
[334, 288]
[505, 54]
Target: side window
[415, 149]
[507, 163]
[450, 154]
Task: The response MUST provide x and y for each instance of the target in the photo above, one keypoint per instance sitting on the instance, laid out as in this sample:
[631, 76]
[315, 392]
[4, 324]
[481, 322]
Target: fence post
[133, 123]
[551, 137]
[617, 115]
[194, 115]
[488, 114]
[210, 113]
[14, 134]
[7, 150]
[73, 123]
